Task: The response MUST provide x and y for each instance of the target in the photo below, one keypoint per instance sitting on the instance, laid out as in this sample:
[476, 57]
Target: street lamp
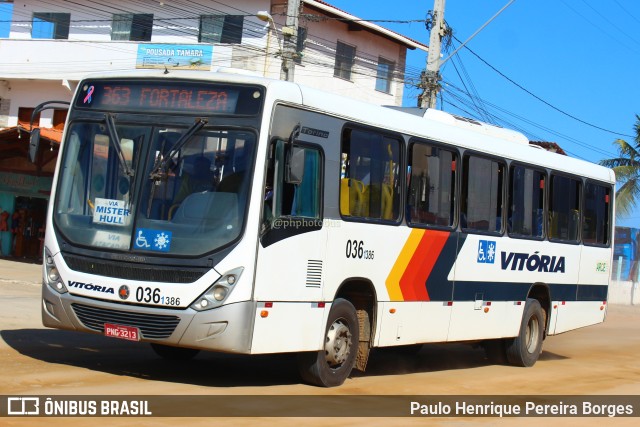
[265, 16]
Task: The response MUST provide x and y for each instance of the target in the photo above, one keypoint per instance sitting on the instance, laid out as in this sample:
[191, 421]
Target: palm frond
[626, 172]
[619, 161]
[627, 169]
[626, 197]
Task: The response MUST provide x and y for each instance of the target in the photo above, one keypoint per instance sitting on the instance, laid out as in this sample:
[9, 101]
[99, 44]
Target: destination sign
[169, 96]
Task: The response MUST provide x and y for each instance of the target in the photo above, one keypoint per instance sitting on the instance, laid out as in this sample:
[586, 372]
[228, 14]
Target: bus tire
[331, 366]
[174, 353]
[525, 349]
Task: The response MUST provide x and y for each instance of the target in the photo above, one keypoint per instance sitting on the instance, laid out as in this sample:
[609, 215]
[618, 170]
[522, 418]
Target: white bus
[231, 213]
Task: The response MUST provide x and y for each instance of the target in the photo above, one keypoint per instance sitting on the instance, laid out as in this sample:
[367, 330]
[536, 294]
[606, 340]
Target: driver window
[285, 199]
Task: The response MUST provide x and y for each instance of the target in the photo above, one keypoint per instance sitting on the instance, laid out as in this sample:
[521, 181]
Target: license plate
[123, 332]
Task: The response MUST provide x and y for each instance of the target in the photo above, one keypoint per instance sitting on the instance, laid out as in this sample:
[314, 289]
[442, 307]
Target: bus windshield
[179, 190]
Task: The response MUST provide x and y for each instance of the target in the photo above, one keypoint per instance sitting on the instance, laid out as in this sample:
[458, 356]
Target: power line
[542, 100]
[479, 105]
[613, 24]
[530, 122]
[627, 12]
[600, 28]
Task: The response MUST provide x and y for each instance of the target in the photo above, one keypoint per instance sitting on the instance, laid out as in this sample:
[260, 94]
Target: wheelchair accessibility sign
[486, 251]
[152, 240]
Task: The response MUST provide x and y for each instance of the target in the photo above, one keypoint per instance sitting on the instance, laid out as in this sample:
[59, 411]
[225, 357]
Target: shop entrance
[27, 226]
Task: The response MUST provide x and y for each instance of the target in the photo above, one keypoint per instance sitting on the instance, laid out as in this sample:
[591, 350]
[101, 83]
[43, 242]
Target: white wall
[29, 93]
[318, 60]
[626, 293]
[27, 64]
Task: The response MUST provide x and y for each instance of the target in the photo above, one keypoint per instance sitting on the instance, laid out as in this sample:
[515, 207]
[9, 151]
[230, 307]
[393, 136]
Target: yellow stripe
[393, 280]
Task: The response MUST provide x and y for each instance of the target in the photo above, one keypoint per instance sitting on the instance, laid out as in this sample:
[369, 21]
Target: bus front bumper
[225, 329]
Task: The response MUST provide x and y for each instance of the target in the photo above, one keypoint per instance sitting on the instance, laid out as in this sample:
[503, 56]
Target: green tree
[627, 169]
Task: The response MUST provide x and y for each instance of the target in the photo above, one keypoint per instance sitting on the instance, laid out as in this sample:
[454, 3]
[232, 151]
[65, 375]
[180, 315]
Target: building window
[432, 183]
[526, 202]
[6, 12]
[597, 214]
[221, 29]
[59, 118]
[132, 27]
[300, 42]
[370, 180]
[482, 184]
[45, 25]
[384, 75]
[345, 58]
[24, 116]
[5, 105]
[564, 208]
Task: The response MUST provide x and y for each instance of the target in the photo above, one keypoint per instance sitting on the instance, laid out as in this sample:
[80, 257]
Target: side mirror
[34, 144]
[294, 170]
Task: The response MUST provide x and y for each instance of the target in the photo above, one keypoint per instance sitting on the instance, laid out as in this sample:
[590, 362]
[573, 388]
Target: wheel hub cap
[337, 343]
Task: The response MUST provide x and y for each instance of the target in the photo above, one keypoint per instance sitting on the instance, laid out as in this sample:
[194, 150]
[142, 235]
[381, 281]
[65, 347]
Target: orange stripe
[404, 257]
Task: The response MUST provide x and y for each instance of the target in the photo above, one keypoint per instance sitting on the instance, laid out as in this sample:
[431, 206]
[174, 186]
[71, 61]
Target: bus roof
[449, 129]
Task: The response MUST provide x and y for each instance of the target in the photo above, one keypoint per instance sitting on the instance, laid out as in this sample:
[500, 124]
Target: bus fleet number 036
[148, 295]
[355, 249]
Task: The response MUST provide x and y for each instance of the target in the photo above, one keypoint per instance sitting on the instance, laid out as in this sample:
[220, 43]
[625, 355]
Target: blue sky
[580, 56]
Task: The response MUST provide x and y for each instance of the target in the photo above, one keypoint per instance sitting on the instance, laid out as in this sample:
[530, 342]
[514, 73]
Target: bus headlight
[52, 275]
[219, 291]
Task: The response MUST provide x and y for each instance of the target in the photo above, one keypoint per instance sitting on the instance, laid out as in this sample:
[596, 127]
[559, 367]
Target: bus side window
[284, 199]
[564, 208]
[370, 175]
[431, 189]
[482, 198]
[597, 213]
[526, 202]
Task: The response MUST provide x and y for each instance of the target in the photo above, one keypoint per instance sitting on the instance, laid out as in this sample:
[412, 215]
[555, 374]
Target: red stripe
[408, 285]
[413, 281]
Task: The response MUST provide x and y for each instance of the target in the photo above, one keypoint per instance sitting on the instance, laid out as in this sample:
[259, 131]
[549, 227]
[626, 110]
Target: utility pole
[290, 35]
[431, 77]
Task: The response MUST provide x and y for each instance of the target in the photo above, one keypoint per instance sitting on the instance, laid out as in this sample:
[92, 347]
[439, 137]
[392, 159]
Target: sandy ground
[599, 360]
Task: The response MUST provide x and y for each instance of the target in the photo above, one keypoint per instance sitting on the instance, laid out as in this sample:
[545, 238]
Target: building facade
[47, 46]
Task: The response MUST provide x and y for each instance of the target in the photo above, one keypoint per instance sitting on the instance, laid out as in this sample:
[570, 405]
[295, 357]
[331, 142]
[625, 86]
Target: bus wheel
[331, 366]
[174, 353]
[525, 349]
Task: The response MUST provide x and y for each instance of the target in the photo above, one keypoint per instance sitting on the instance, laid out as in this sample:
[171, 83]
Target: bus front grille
[120, 270]
[150, 325]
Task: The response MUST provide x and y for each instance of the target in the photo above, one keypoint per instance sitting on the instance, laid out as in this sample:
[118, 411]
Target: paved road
[600, 360]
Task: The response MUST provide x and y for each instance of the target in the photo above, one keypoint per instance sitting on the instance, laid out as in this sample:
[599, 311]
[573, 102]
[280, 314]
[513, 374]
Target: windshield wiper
[159, 172]
[113, 134]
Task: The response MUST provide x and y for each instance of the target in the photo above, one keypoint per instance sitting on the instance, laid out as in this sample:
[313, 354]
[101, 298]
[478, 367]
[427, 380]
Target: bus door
[292, 248]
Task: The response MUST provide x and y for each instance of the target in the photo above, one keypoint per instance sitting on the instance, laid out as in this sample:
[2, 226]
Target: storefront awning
[14, 143]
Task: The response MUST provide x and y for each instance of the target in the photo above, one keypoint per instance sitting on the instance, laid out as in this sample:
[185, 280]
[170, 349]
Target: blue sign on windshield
[152, 240]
